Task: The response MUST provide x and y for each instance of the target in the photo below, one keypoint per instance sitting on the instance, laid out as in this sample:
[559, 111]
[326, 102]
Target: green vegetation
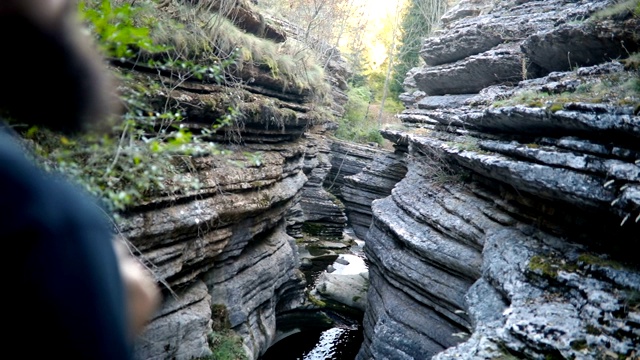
[529, 98]
[315, 301]
[149, 151]
[438, 170]
[198, 33]
[466, 143]
[556, 106]
[220, 317]
[225, 345]
[359, 123]
[591, 259]
[579, 345]
[632, 62]
[543, 266]
[115, 30]
[617, 89]
[621, 8]
[312, 228]
[420, 18]
[549, 265]
[592, 330]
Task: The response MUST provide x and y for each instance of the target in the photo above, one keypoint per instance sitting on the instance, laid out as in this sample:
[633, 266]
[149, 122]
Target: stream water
[331, 344]
[341, 340]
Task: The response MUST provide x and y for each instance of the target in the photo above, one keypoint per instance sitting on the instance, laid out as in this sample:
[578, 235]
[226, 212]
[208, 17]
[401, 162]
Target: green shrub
[146, 154]
[114, 27]
[359, 124]
[618, 9]
[225, 345]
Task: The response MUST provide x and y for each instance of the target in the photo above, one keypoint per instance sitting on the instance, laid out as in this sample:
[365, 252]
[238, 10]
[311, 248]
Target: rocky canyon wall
[510, 235]
[225, 254]
[224, 246]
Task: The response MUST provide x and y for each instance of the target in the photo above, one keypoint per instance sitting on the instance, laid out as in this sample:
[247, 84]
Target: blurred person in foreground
[67, 292]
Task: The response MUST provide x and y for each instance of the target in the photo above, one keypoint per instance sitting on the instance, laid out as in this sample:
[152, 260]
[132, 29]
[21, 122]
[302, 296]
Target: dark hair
[51, 74]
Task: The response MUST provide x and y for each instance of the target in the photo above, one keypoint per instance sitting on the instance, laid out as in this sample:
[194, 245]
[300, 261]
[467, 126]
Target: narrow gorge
[501, 225]
[498, 222]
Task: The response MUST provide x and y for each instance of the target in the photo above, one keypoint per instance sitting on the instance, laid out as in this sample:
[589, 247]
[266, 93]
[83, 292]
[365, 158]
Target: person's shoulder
[29, 195]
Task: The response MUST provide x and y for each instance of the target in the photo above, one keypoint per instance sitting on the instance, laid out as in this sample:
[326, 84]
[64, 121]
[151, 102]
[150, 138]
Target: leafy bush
[115, 29]
[147, 153]
[359, 124]
[225, 345]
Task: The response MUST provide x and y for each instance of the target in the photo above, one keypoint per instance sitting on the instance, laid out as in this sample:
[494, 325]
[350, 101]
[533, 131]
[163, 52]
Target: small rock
[305, 263]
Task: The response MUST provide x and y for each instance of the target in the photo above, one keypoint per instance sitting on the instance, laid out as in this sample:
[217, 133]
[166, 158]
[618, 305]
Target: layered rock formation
[348, 159]
[511, 40]
[219, 239]
[323, 213]
[374, 182]
[223, 253]
[509, 236]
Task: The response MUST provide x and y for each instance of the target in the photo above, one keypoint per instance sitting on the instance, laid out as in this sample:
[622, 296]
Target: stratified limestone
[486, 43]
[255, 284]
[231, 227]
[509, 236]
[434, 237]
[209, 236]
[180, 328]
[503, 64]
[347, 159]
[583, 44]
[374, 182]
[323, 213]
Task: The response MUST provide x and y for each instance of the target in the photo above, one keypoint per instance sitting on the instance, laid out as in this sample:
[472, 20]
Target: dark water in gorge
[332, 344]
[317, 340]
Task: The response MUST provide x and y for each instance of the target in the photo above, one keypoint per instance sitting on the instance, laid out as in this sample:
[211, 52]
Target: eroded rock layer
[227, 234]
[222, 252]
[323, 213]
[510, 234]
[375, 181]
[348, 159]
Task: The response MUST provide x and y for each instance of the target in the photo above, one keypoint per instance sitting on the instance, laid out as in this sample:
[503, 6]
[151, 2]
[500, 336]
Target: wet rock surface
[347, 284]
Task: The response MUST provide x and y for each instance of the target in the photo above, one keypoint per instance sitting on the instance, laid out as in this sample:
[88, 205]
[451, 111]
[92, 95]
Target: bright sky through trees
[380, 15]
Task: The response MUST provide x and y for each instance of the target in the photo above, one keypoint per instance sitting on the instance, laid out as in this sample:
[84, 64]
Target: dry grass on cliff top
[201, 35]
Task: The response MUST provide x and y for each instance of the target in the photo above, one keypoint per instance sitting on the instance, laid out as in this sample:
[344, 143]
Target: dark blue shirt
[65, 297]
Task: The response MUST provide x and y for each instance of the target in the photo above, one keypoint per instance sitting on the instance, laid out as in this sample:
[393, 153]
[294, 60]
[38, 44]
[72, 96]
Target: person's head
[51, 74]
